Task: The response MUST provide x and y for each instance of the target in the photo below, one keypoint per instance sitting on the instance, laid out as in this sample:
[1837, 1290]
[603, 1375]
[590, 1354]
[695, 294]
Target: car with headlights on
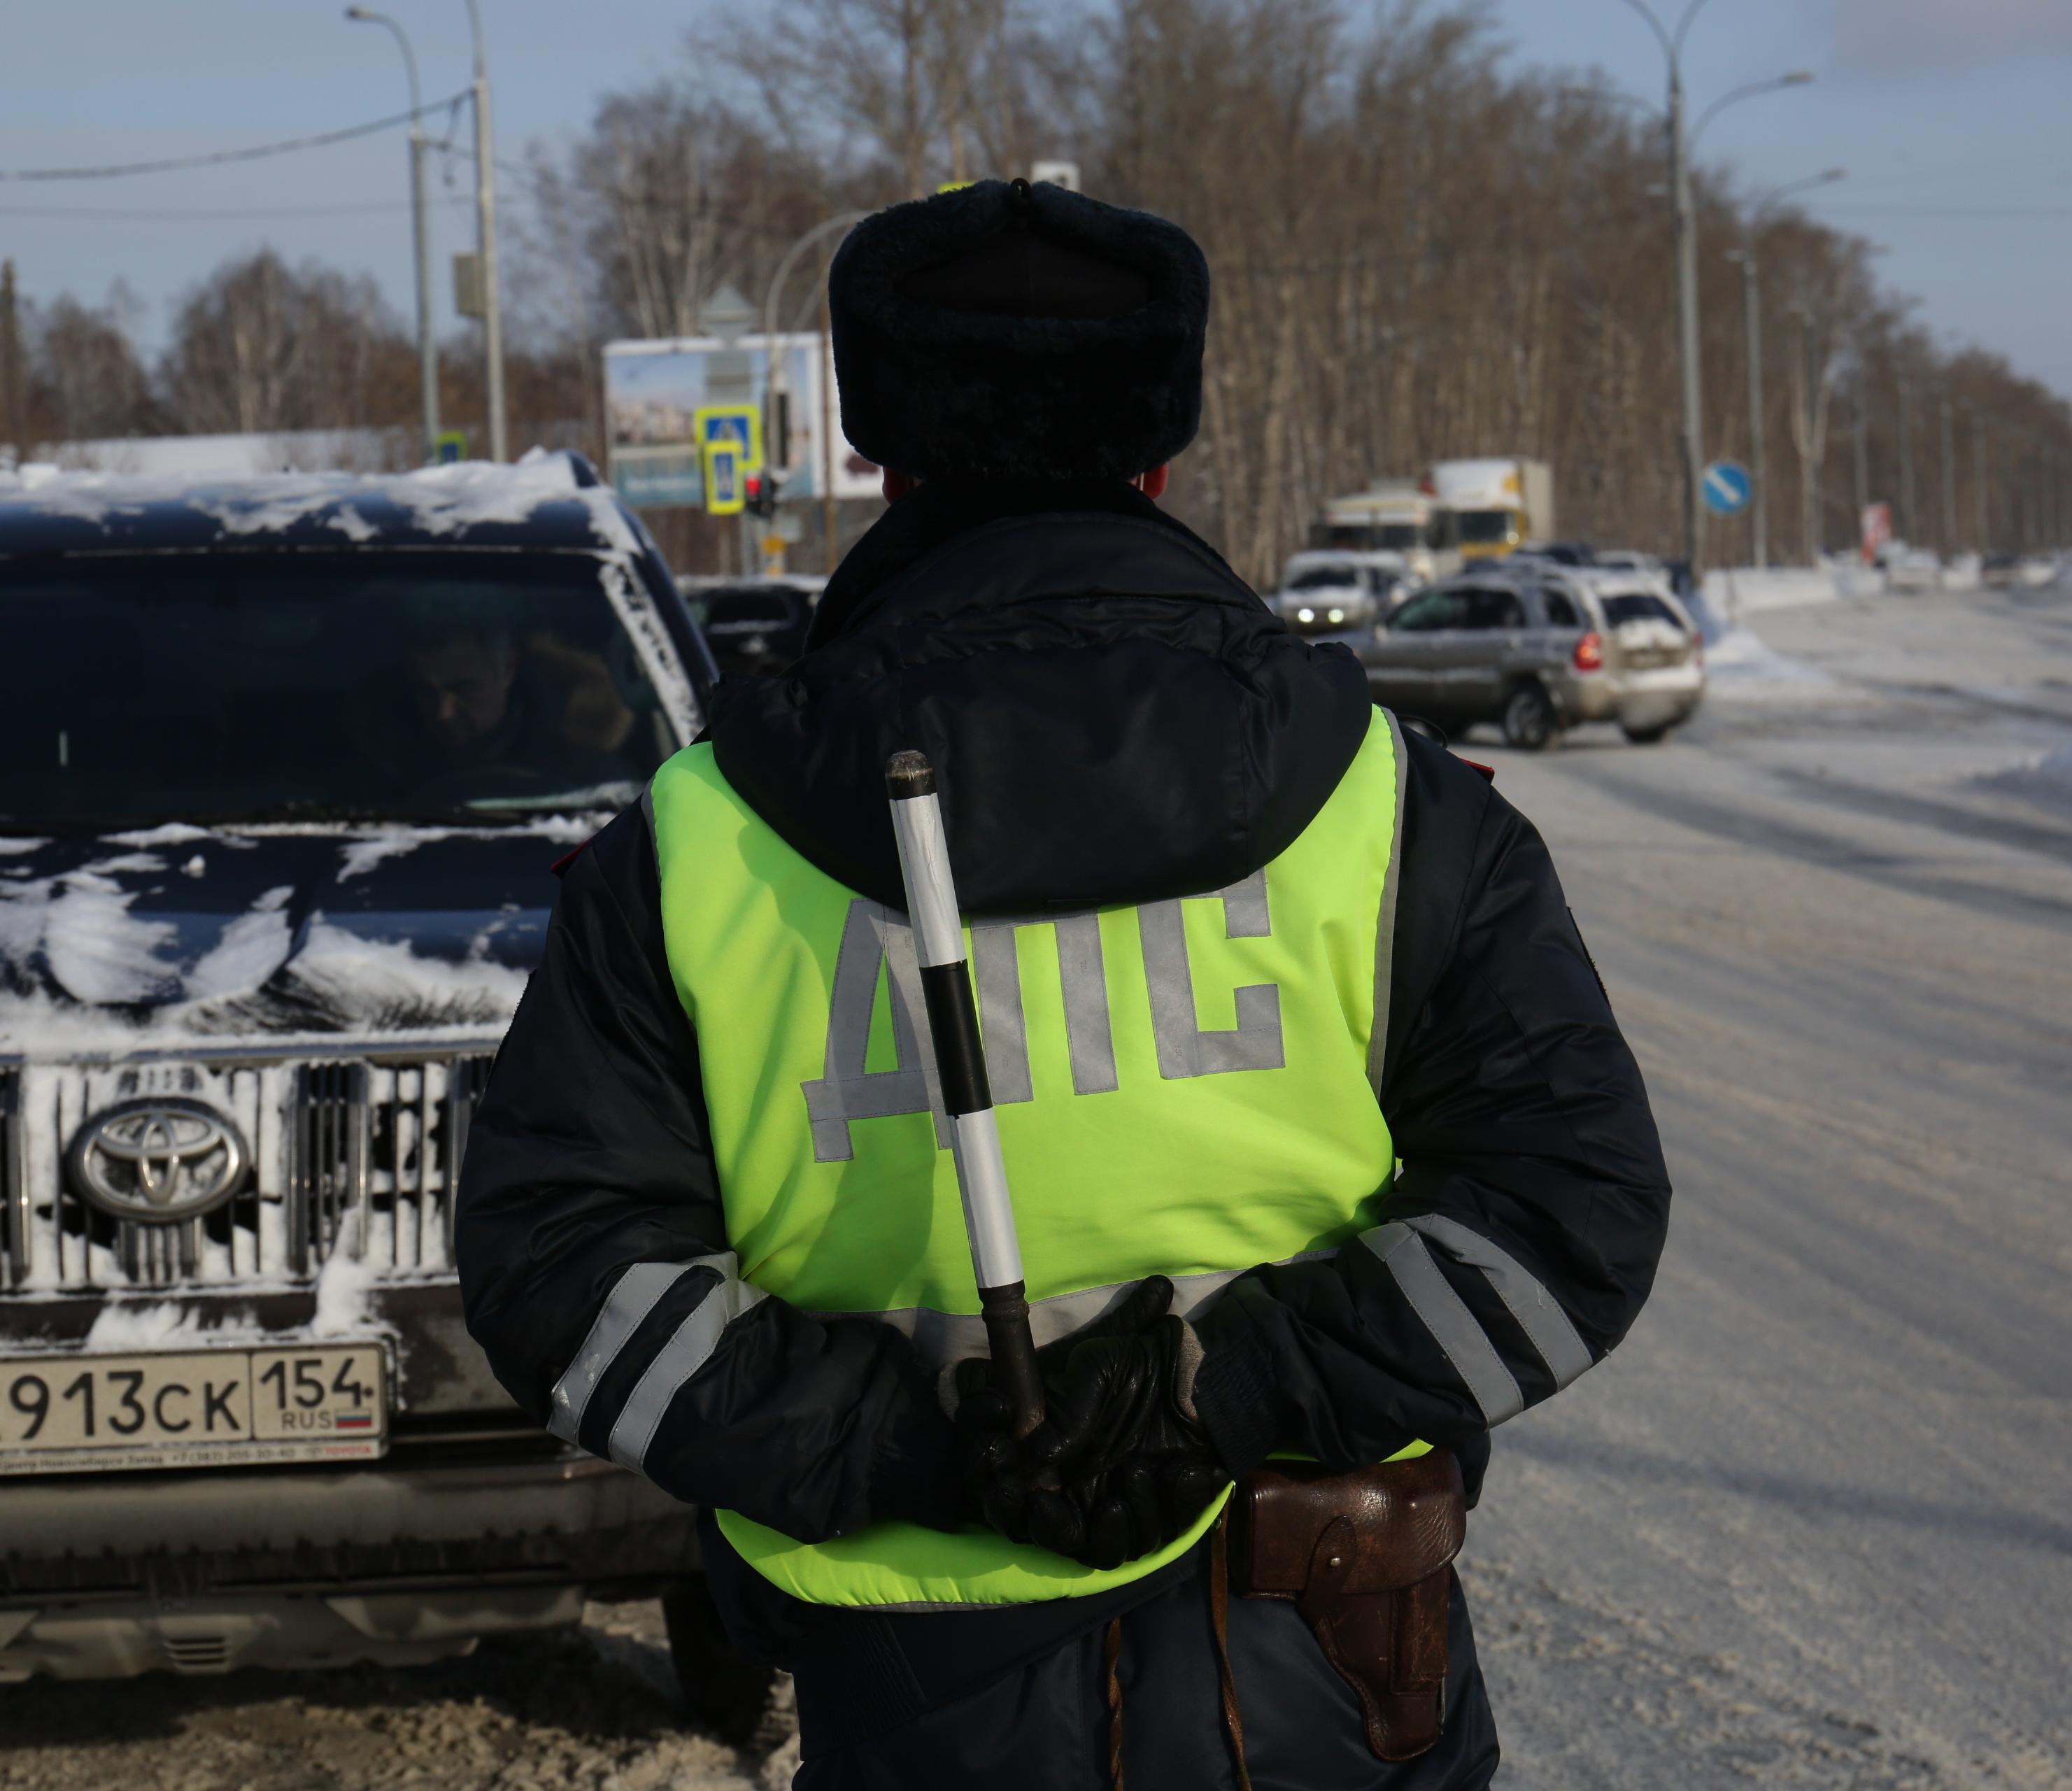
[1340, 594]
[290, 761]
[1536, 648]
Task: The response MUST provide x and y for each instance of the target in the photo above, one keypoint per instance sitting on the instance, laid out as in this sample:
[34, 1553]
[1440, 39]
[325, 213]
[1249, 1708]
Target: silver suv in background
[1538, 648]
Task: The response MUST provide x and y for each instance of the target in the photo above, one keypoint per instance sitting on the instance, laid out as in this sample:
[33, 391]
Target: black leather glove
[968, 1392]
[1121, 1465]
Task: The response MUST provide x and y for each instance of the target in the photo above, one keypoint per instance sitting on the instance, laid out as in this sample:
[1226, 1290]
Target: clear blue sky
[1950, 115]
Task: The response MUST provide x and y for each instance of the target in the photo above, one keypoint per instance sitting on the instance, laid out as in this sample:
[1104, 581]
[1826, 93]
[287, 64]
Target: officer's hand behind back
[1120, 1467]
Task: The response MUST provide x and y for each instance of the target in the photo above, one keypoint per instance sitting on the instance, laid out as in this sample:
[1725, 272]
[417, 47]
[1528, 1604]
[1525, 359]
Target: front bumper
[103, 1576]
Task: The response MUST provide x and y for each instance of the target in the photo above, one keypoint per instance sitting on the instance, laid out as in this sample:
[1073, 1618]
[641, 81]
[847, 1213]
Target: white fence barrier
[1735, 591]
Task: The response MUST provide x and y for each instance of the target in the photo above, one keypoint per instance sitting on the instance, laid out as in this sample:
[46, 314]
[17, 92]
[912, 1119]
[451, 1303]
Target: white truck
[1497, 504]
[1392, 515]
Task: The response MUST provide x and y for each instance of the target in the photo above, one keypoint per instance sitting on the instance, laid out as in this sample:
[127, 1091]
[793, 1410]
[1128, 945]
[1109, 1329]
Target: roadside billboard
[656, 391]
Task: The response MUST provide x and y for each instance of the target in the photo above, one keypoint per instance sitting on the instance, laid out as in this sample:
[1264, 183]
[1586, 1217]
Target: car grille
[359, 1155]
[376, 1158]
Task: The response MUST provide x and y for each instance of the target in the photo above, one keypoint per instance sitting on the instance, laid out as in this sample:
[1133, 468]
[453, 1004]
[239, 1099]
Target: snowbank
[1741, 666]
[2046, 779]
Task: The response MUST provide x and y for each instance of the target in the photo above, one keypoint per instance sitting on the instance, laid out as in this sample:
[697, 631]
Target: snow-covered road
[1811, 1526]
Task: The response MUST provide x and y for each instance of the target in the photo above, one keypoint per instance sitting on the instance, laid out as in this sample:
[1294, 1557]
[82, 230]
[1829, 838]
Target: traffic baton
[952, 1017]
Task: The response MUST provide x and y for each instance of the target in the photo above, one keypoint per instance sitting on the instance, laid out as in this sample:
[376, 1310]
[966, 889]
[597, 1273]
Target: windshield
[1639, 606]
[760, 609]
[235, 687]
[1365, 537]
[1431, 612]
[1485, 527]
[1325, 577]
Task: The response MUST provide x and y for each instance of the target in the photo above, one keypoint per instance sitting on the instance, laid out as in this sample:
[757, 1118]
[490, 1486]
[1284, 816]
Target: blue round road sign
[1725, 487]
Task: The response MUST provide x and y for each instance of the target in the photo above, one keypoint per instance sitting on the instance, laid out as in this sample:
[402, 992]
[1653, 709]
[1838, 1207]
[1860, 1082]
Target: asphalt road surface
[1812, 1526]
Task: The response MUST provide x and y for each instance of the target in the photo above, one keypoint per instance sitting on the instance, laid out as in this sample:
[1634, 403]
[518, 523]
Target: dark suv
[288, 762]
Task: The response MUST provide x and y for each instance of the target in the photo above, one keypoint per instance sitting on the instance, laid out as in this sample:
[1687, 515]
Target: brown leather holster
[1367, 1557]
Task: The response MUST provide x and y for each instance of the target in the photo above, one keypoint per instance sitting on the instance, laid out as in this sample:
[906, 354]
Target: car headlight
[1305, 616]
[1338, 615]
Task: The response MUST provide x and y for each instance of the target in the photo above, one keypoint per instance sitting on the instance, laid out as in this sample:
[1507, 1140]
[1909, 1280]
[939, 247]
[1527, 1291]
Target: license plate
[213, 1408]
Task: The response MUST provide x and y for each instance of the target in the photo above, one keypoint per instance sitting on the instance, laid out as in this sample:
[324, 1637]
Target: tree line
[1418, 253]
[257, 346]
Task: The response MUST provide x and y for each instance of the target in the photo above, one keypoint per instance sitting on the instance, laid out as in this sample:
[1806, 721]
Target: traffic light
[760, 490]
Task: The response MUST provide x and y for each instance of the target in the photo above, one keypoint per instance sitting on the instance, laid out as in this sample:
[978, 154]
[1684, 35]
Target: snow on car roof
[540, 499]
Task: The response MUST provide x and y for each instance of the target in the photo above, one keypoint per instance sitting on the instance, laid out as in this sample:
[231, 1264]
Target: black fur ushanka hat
[1006, 332]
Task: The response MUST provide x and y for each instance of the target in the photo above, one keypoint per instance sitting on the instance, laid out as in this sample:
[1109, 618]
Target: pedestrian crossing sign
[726, 480]
[741, 424]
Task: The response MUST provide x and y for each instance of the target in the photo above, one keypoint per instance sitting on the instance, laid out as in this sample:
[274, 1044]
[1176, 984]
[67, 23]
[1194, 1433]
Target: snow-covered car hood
[148, 940]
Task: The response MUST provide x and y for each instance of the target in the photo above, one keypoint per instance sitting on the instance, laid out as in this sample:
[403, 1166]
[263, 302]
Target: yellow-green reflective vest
[1185, 1088]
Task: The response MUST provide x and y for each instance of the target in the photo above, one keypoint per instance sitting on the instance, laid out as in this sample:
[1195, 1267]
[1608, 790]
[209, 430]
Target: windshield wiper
[614, 795]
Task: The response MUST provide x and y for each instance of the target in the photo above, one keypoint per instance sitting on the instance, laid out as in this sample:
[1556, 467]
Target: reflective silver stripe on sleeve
[688, 1350]
[632, 1297]
[1452, 1325]
[1560, 1346]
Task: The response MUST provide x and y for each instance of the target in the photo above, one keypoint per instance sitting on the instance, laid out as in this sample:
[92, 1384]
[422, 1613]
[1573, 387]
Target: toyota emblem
[159, 1161]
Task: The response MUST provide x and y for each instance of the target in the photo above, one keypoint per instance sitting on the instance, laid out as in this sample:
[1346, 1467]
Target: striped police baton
[953, 1020]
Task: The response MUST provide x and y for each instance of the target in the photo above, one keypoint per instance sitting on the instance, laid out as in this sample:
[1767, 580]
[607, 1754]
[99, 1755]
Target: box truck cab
[1496, 504]
[1392, 515]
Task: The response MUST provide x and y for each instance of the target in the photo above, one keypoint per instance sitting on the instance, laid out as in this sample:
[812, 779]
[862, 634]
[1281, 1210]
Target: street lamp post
[1860, 418]
[1906, 521]
[1752, 305]
[421, 228]
[1683, 223]
[1983, 497]
[485, 226]
[1758, 476]
[1809, 467]
[1948, 443]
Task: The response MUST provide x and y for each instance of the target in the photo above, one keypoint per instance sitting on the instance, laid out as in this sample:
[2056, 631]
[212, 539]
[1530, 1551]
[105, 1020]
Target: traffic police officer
[1325, 1143]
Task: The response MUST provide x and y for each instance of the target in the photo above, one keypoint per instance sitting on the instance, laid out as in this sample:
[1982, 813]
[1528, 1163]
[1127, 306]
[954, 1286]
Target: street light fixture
[1798, 77]
[485, 226]
[421, 230]
[1752, 306]
[1684, 227]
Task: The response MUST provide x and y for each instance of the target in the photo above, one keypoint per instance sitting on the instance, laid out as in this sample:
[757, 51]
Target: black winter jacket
[1117, 718]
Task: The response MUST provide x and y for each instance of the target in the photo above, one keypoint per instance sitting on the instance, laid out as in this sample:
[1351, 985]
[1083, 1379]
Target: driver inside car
[467, 711]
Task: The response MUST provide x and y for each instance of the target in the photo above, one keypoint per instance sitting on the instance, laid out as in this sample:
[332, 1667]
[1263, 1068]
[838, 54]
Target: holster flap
[1400, 1522]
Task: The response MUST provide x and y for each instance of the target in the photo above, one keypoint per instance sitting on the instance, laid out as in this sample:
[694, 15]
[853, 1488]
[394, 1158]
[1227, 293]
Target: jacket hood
[1114, 716]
